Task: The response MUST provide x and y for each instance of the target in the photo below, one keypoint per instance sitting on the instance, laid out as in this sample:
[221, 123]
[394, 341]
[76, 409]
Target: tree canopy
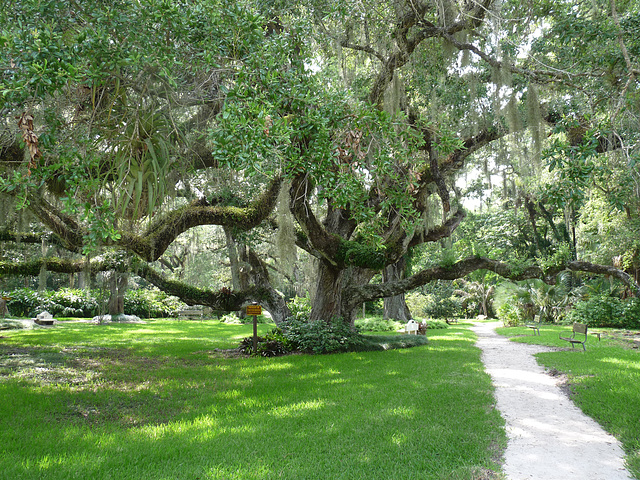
[340, 130]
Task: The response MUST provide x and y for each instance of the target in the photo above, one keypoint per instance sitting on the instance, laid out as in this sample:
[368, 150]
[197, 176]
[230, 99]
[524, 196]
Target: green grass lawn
[158, 401]
[604, 381]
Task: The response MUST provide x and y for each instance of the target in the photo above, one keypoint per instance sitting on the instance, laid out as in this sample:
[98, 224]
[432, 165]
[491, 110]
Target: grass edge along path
[604, 381]
[156, 401]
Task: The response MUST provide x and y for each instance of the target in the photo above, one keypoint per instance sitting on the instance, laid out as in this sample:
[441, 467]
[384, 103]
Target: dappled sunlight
[401, 411]
[230, 394]
[459, 337]
[336, 381]
[296, 409]
[247, 417]
[526, 383]
[399, 439]
[621, 363]
[268, 366]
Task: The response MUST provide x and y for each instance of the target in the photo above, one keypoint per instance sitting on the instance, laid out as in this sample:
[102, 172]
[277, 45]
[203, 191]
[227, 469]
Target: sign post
[255, 310]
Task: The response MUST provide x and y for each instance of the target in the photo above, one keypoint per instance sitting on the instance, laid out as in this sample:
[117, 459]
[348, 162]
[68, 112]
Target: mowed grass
[604, 381]
[157, 401]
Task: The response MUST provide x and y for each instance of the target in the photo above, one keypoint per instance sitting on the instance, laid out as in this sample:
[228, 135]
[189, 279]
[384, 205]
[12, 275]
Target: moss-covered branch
[151, 244]
[70, 233]
[163, 231]
[58, 265]
[10, 236]
[222, 300]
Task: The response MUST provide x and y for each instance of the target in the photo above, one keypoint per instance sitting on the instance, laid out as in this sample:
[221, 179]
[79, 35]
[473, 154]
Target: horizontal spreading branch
[27, 237]
[222, 300]
[154, 242]
[59, 265]
[151, 244]
[364, 293]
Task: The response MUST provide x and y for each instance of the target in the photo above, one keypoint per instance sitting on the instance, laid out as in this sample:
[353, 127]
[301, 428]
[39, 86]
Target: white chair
[411, 327]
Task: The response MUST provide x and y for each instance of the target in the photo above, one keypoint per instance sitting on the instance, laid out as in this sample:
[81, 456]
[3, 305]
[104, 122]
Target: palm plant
[534, 297]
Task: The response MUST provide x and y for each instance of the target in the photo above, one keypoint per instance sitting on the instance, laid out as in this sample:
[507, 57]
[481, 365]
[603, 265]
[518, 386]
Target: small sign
[254, 310]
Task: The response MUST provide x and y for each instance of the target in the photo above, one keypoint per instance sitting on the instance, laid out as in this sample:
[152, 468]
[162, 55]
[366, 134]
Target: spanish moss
[534, 120]
[286, 234]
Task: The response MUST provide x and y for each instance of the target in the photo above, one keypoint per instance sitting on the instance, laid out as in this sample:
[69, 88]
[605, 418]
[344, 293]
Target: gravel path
[549, 437]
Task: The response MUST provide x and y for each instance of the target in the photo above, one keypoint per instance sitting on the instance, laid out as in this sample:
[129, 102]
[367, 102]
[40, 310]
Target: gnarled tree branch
[364, 293]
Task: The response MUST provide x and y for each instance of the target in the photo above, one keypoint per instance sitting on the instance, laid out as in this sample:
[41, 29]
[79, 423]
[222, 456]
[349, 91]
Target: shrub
[234, 319]
[24, 302]
[445, 307]
[231, 319]
[510, 315]
[631, 313]
[69, 302]
[606, 311]
[299, 307]
[418, 303]
[435, 324]
[150, 303]
[377, 324]
[273, 344]
[391, 342]
[321, 336]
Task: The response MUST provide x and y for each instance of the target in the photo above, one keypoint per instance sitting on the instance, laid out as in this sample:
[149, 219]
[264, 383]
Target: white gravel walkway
[549, 437]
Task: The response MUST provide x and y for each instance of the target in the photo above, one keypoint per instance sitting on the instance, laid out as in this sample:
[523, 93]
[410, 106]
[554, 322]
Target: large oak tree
[126, 124]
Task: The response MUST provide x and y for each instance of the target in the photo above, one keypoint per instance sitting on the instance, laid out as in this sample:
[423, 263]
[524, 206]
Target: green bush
[273, 344]
[24, 302]
[234, 319]
[631, 313]
[442, 303]
[150, 303]
[231, 319]
[321, 336]
[377, 324]
[418, 303]
[445, 308]
[391, 342]
[510, 315]
[299, 307]
[606, 311]
[435, 324]
[68, 302]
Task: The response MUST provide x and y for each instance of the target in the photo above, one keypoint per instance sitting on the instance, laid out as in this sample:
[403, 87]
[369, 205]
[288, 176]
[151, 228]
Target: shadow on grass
[95, 411]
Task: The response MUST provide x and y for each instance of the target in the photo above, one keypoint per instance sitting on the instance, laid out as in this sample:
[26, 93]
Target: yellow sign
[254, 310]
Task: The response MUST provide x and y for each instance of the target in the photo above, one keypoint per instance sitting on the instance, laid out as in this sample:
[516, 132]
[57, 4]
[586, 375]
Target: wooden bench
[535, 326]
[451, 321]
[578, 330]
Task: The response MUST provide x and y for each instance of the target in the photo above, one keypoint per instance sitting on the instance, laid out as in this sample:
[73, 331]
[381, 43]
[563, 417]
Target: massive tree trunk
[330, 301]
[395, 308]
[327, 302]
[118, 283]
